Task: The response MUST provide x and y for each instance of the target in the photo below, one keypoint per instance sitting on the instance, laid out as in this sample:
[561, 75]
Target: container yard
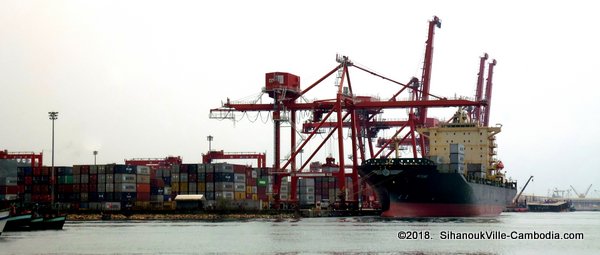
[153, 184]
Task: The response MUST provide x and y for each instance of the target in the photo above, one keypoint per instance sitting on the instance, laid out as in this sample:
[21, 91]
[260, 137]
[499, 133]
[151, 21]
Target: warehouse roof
[189, 197]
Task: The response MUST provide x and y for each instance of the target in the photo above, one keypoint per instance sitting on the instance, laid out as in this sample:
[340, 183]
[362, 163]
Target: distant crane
[558, 193]
[581, 195]
[516, 201]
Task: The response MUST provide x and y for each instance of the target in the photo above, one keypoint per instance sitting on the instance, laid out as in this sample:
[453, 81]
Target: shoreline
[181, 216]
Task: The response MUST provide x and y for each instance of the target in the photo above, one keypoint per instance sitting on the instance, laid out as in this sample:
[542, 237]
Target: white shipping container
[240, 178]
[125, 178]
[167, 190]
[142, 170]
[110, 187]
[240, 187]
[225, 194]
[125, 187]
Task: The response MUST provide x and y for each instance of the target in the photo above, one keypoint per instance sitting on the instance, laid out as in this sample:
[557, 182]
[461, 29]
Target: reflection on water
[341, 235]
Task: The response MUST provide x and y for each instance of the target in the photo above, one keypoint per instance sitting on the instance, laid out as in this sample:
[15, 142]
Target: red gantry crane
[261, 158]
[346, 110]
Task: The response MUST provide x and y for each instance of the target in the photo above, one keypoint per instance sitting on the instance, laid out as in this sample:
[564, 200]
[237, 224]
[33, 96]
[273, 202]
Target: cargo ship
[551, 206]
[459, 177]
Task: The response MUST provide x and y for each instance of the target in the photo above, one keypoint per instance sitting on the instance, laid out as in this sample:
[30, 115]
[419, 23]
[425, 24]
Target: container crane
[581, 195]
[345, 110]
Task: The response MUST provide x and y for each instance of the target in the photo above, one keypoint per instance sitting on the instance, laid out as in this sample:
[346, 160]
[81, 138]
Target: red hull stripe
[415, 210]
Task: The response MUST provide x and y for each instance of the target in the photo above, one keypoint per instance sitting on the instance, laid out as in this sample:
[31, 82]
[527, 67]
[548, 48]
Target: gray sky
[137, 78]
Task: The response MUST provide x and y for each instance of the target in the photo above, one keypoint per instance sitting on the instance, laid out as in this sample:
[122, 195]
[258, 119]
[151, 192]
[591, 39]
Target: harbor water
[510, 233]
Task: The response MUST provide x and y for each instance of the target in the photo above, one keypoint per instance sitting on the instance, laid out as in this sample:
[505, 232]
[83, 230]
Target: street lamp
[209, 139]
[53, 117]
[95, 153]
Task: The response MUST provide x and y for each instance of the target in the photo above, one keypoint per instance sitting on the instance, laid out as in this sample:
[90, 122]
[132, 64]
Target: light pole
[209, 139]
[95, 153]
[53, 117]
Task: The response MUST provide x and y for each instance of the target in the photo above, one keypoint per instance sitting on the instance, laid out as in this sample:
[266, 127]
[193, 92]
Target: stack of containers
[223, 181]
[457, 158]
[349, 188]
[142, 186]
[97, 183]
[174, 181]
[264, 185]
[84, 181]
[206, 177]
[239, 176]
[157, 187]
[40, 188]
[64, 185]
[251, 184]
[192, 171]
[284, 190]
[125, 181]
[164, 173]
[183, 180]
[306, 191]
[9, 188]
[323, 188]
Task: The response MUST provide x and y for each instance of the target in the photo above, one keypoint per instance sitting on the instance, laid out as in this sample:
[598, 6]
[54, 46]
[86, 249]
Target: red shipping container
[239, 169]
[92, 187]
[85, 169]
[76, 188]
[45, 171]
[37, 171]
[193, 178]
[143, 196]
[143, 188]
[210, 177]
[93, 179]
[84, 188]
[159, 183]
[28, 180]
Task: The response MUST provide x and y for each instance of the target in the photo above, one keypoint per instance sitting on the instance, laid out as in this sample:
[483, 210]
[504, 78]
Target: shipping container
[142, 170]
[111, 206]
[145, 179]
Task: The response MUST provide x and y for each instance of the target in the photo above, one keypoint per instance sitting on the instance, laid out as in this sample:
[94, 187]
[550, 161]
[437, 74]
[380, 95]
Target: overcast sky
[137, 78]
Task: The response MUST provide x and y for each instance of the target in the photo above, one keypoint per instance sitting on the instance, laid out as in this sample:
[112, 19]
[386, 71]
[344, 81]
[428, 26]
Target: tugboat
[37, 219]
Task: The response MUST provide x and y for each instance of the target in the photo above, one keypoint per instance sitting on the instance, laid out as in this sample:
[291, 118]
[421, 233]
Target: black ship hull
[415, 188]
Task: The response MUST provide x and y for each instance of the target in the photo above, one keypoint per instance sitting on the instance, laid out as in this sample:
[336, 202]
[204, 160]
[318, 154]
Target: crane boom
[587, 191]
[523, 189]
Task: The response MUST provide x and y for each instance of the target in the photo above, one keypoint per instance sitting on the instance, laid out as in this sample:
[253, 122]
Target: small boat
[4, 214]
[48, 223]
[18, 222]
